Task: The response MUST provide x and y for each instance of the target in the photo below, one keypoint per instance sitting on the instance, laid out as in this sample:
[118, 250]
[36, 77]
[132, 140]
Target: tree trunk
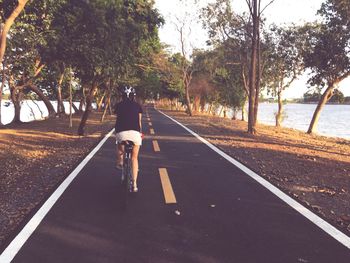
[41, 95]
[105, 110]
[209, 108]
[16, 100]
[70, 100]
[3, 80]
[234, 115]
[107, 100]
[222, 108]
[31, 109]
[82, 100]
[325, 97]
[252, 75]
[76, 110]
[63, 109]
[280, 110]
[243, 108]
[202, 104]
[110, 105]
[82, 104]
[225, 112]
[88, 108]
[196, 103]
[99, 105]
[177, 104]
[188, 102]
[8, 23]
[258, 74]
[60, 106]
[39, 109]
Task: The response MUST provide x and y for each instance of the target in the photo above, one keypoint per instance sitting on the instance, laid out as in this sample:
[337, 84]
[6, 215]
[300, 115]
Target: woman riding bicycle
[128, 128]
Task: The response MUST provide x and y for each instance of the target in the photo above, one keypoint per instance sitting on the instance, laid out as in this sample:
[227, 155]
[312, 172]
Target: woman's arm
[140, 122]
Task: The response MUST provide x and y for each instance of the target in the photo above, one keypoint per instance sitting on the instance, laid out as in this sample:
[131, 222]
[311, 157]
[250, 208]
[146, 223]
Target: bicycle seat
[127, 143]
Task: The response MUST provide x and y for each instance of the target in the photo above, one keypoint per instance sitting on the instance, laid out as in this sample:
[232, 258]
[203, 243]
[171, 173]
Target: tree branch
[266, 6]
[249, 6]
[8, 23]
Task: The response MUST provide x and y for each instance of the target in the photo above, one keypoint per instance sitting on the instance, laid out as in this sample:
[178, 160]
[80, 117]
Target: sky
[279, 12]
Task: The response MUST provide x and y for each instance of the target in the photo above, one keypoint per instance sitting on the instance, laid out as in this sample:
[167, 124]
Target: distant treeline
[337, 98]
[314, 97]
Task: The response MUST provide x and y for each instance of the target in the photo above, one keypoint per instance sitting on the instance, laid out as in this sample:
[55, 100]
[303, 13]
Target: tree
[312, 96]
[285, 63]
[255, 62]
[338, 97]
[25, 64]
[11, 10]
[327, 54]
[3, 81]
[202, 87]
[183, 26]
[230, 35]
[235, 33]
[101, 41]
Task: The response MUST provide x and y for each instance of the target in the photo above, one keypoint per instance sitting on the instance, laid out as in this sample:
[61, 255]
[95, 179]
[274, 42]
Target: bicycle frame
[126, 174]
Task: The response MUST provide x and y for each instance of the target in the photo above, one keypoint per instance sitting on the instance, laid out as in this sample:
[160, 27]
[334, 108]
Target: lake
[334, 119]
[31, 110]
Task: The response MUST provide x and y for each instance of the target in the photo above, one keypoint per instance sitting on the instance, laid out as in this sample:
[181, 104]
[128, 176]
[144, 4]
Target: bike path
[221, 214]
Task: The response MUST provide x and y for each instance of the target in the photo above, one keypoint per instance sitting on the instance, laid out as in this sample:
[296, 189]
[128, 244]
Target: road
[192, 206]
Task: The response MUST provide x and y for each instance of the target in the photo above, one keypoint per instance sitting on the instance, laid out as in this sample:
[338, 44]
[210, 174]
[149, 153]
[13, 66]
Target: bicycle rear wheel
[126, 184]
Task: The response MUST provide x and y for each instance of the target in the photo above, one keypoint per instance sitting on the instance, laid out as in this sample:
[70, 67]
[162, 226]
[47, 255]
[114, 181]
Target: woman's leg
[119, 155]
[135, 163]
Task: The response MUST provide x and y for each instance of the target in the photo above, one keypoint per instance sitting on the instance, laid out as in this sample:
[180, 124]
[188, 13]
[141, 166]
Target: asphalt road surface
[192, 206]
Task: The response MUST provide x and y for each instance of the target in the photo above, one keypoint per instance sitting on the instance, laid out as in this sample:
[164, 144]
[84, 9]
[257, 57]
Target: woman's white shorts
[131, 135]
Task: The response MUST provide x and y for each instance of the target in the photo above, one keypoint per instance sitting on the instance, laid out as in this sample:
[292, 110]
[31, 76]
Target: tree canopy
[99, 41]
[106, 44]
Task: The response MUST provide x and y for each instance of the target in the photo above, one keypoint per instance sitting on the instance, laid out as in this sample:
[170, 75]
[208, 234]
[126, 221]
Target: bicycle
[126, 175]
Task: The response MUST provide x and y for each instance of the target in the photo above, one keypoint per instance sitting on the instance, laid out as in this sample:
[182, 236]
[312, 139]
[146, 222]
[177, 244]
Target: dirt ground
[35, 157]
[315, 170]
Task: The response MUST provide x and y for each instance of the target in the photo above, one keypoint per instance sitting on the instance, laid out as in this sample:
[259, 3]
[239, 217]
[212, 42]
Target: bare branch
[249, 6]
[233, 63]
[266, 7]
[145, 67]
[38, 70]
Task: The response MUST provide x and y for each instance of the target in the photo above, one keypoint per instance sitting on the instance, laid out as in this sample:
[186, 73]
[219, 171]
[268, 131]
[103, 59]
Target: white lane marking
[150, 123]
[156, 146]
[151, 131]
[325, 226]
[16, 244]
[169, 195]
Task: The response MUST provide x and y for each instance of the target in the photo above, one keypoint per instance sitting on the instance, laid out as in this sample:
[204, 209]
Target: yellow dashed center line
[156, 146]
[151, 131]
[169, 195]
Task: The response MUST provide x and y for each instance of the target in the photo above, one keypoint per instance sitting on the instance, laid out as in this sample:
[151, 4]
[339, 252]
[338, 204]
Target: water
[30, 111]
[334, 119]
